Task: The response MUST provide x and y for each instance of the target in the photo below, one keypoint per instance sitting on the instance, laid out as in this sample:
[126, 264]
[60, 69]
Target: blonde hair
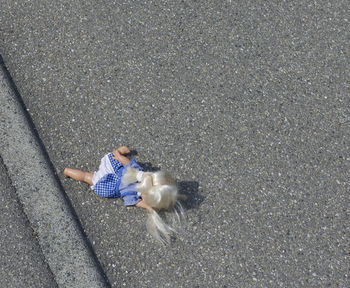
[161, 193]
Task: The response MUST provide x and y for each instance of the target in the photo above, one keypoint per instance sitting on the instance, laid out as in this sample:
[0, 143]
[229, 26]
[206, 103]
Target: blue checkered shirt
[110, 185]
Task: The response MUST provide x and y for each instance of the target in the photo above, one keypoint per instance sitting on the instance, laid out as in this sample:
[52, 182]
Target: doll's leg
[79, 175]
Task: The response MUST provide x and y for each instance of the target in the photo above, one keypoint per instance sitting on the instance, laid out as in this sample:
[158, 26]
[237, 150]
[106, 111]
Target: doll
[120, 177]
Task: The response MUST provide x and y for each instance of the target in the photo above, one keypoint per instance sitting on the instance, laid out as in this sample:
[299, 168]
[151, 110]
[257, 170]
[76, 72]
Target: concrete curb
[60, 236]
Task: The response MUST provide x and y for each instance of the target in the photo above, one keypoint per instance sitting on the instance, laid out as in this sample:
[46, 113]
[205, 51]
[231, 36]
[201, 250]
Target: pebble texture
[22, 263]
[49, 212]
[246, 103]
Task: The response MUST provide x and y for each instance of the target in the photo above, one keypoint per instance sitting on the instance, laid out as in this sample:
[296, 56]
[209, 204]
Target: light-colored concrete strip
[59, 233]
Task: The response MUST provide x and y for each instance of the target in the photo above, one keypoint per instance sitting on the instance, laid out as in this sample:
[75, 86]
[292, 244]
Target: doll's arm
[121, 158]
[122, 150]
[142, 204]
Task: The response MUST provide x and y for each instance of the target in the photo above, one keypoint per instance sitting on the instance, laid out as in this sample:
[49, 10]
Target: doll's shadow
[147, 167]
[188, 190]
[132, 153]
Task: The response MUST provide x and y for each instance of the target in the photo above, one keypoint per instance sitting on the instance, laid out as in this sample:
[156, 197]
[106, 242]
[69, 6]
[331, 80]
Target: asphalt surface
[48, 210]
[22, 263]
[245, 103]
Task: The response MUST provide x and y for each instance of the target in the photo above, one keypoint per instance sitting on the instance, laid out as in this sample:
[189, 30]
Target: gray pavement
[64, 247]
[22, 263]
[245, 103]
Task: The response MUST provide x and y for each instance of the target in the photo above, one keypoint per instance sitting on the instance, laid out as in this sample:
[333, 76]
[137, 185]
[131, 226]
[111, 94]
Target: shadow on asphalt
[190, 190]
[146, 166]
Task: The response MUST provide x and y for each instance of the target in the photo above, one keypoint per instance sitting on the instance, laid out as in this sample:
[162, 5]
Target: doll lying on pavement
[120, 177]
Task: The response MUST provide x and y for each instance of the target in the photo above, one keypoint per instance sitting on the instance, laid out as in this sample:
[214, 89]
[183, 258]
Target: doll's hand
[116, 154]
[122, 150]
[142, 204]
[121, 158]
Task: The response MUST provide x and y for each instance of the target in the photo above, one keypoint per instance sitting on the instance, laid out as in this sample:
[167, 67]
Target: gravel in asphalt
[246, 103]
[22, 263]
[57, 229]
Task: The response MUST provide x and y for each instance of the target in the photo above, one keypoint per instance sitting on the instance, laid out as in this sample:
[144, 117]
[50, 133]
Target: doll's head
[159, 190]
